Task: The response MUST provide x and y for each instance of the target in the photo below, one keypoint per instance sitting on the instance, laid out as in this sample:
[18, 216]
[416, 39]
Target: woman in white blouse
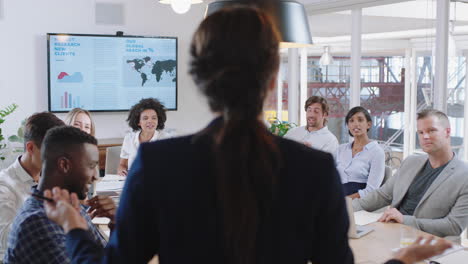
[146, 119]
[361, 163]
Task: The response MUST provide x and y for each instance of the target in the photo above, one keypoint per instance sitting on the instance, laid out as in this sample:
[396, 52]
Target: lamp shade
[289, 16]
[327, 58]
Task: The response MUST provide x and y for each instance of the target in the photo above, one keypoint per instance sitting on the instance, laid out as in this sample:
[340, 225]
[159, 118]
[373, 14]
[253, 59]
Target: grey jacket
[442, 211]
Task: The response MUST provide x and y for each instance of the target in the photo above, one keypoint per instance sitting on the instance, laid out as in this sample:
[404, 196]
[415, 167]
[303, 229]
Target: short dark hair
[355, 110]
[145, 104]
[319, 100]
[433, 112]
[60, 141]
[37, 125]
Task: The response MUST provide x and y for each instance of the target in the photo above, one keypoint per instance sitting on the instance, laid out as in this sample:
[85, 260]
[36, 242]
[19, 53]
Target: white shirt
[15, 186]
[321, 139]
[132, 142]
[367, 166]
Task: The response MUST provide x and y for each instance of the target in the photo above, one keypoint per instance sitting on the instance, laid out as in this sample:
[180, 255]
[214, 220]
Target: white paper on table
[113, 177]
[109, 186]
[363, 218]
[100, 220]
[452, 255]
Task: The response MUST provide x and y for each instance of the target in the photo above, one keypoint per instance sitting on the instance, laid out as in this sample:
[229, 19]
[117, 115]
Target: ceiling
[402, 16]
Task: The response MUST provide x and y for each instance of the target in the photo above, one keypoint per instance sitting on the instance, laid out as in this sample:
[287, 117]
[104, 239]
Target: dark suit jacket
[168, 207]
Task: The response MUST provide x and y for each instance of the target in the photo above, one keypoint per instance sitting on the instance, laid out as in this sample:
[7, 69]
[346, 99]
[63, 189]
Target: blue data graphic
[109, 73]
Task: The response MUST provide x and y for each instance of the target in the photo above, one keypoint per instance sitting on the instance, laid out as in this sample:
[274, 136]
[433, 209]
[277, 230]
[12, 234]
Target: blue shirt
[36, 239]
[367, 166]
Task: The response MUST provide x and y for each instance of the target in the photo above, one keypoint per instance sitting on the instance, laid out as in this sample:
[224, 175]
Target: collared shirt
[132, 142]
[367, 166]
[15, 184]
[321, 139]
[36, 239]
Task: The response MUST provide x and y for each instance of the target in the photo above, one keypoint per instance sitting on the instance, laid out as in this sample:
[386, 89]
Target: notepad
[109, 186]
[454, 255]
[113, 177]
[100, 220]
[364, 218]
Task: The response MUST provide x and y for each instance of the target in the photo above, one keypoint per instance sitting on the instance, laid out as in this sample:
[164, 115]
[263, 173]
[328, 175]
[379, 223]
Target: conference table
[374, 248]
[378, 245]
[381, 244]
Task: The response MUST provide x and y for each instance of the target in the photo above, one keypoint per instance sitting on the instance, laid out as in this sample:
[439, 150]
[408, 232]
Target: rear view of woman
[233, 192]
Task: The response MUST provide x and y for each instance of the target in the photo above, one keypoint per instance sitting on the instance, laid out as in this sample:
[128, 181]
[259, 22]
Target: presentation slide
[109, 73]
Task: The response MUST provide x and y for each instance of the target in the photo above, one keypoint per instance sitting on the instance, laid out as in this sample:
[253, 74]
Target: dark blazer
[168, 207]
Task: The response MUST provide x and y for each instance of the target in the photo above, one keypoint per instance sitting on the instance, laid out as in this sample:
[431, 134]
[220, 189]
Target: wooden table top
[376, 247]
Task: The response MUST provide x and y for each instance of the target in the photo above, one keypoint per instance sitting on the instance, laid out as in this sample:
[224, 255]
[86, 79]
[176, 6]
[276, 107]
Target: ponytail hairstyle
[234, 59]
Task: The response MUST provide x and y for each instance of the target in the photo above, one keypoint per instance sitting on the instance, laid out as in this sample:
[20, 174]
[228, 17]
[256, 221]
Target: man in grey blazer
[428, 192]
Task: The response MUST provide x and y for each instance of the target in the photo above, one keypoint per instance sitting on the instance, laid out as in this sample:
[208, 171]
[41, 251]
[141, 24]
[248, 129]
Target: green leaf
[15, 138]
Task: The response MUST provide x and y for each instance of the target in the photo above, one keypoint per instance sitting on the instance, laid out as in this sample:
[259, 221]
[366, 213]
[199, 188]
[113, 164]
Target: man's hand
[354, 196]
[420, 251]
[122, 172]
[101, 206]
[65, 210]
[391, 215]
[307, 144]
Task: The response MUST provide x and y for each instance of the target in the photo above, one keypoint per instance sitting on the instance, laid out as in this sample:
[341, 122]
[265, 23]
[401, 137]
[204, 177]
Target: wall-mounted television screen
[110, 73]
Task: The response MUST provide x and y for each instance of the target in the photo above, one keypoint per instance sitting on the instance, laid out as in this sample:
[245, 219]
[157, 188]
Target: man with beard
[315, 134]
[69, 159]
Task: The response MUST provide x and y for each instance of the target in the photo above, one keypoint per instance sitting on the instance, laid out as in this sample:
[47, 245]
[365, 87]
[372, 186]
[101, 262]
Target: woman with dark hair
[146, 119]
[232, 193]
[361, 163]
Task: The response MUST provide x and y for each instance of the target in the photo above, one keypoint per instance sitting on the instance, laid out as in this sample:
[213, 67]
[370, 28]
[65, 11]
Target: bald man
[428, 192]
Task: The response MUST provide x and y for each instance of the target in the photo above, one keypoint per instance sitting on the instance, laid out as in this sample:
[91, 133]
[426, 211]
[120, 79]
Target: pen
[40, 197]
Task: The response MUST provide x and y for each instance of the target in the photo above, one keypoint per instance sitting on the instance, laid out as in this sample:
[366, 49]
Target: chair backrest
[112, 159]
[387, 175]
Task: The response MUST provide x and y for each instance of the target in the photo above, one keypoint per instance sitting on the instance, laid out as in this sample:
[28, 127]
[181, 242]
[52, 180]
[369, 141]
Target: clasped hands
[391, 215]
[65, 210]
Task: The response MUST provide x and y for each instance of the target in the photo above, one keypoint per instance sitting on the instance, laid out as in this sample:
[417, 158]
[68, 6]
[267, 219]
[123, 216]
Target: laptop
[355, 231]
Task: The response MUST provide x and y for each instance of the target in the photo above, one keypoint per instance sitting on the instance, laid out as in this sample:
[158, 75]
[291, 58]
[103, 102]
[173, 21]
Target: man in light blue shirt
[315, 134]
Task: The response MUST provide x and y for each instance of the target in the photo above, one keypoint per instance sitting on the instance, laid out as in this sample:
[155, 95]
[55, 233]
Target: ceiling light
[289, 16]
[327, 58]
[180, 6]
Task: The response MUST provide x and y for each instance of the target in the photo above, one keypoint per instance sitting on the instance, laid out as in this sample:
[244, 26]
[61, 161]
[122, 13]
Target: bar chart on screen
[70, 101]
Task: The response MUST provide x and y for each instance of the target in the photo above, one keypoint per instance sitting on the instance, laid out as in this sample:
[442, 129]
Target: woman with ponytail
[233, 192]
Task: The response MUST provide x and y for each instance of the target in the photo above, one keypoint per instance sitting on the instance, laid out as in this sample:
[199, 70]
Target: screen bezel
[49, 106]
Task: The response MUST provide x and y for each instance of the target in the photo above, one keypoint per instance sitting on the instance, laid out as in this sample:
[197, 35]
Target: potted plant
[279, 127]
[3, 113]
[17, 141]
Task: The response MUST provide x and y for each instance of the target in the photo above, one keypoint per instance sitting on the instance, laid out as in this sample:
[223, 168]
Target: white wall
[23, 55]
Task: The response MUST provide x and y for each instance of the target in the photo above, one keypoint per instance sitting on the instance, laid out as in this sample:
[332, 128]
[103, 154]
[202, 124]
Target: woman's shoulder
[375, 147]
[131, 134]
[344, 146]
[163, 134]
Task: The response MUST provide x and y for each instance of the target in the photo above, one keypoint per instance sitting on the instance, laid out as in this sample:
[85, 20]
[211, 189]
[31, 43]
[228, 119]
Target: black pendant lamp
[289, 16]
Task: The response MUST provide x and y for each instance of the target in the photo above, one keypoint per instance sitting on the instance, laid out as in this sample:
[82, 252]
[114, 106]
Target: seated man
[429, 192]
[16, 180]
[315, 134]
[69, 160]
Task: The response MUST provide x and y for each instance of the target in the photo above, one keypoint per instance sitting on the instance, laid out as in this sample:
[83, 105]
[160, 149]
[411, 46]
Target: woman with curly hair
[146, 119]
